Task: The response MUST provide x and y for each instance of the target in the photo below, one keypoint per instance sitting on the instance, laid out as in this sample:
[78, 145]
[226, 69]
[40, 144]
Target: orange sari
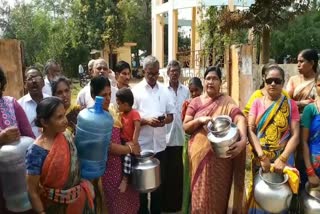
[62, 189]
[217, 185]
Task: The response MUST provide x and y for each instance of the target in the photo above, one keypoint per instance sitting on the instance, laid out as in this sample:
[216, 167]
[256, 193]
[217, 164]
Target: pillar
[172, 34]
[157, 38]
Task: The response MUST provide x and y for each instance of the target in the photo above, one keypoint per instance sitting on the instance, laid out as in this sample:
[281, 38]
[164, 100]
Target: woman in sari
[212, 178]
[195, 88]
[53, 170]
[13, 124]
[61, 87]
[260, 92]
[301, 87]
[311, 139]
[273, 132]
[116, 202]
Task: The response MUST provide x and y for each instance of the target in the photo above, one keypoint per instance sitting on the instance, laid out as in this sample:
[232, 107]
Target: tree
[137, 14]
[100, 23]
[46, 34]
[4, 12]
[301, 33]
[114, 27]
[263, 16]
[214, 38]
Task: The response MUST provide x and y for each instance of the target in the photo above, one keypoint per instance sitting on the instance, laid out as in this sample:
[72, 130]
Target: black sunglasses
[277, 81]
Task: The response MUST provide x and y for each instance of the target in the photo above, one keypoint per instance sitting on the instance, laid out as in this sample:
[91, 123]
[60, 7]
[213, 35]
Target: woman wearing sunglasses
[273, 129]
[260, 92]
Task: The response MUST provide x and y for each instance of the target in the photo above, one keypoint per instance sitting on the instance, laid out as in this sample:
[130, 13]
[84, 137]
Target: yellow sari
[273, 131]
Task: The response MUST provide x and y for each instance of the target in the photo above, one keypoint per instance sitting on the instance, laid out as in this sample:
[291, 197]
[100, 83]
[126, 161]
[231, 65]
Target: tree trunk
[265, 46]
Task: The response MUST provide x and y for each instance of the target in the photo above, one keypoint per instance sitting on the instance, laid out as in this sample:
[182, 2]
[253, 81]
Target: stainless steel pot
[146, 172]
[311, 200]
[222, 133]
[272, 192]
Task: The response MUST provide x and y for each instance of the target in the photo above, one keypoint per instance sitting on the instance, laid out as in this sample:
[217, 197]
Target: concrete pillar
[231, 5]
[157, 38]
[172, 34]
[193, 36]
[195, 57]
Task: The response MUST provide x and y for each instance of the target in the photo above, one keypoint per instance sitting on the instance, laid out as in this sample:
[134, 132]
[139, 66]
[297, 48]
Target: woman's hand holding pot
[265, 163]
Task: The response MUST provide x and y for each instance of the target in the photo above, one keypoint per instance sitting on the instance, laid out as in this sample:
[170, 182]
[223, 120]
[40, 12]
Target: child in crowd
[130, 119]
[195, 88]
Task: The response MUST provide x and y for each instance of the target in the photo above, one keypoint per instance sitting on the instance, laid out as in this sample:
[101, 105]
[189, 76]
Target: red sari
[60, 171]
[217, 185]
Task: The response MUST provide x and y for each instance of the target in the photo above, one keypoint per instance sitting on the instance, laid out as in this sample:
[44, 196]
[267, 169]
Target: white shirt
[29, 106]
[84, 96]
[47, 86]
[175, 132]
[80, 69]
[152, 102]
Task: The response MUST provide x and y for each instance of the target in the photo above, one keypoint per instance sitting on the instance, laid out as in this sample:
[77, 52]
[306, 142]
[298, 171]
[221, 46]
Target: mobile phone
[161, 118]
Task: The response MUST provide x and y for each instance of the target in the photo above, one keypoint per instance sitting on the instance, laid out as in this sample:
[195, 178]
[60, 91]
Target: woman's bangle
[130, 147]
[310, 171]
[283, 158]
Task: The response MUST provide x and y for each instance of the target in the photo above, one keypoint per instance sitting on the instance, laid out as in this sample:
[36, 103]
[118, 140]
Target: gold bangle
[130, 148]
[283, 159]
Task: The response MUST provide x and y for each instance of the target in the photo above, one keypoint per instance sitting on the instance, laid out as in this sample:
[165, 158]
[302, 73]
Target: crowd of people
[280, 126]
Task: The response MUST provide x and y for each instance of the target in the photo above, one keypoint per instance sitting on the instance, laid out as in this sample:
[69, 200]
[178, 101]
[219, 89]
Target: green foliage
[213, 36]
[67, 30]
[100, 23]
[301, 33]
[137, 14]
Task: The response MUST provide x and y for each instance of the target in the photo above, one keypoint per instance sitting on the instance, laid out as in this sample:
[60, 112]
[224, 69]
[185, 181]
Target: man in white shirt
[100, 67]
[156, 108]
[172, 190]
[52, 69]
[34, 84]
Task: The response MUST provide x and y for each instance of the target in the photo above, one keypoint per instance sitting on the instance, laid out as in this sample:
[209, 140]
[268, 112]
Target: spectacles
[152, 74]
[277, 81]
[35, 78]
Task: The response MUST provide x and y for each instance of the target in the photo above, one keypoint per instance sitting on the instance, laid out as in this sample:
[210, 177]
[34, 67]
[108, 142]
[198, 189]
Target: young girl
[130, 119]
[195, 88]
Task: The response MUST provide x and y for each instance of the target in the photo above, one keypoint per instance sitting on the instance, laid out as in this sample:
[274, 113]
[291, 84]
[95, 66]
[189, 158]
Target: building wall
[123, 53]
[11, 61]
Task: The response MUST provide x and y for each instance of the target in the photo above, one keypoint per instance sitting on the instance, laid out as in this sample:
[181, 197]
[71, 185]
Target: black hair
[55, 82]
[120, 66]
[196, 81]
[33, 68]
[173, 63]
[311, 55]
[49, 64]
[46, 108]
[275, 67]
[263, 73]
[215, 69]
[3, 81]
[97, 84]
[125, 95]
